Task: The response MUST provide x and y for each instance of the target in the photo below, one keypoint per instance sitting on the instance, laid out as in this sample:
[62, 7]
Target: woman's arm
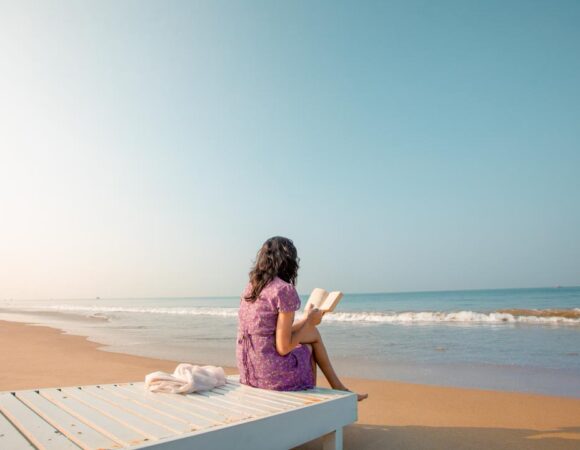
[289, 334]
[301, 322]
[296, 326]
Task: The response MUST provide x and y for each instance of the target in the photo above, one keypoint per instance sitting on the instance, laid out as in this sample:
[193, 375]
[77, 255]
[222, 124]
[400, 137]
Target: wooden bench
[119, 416]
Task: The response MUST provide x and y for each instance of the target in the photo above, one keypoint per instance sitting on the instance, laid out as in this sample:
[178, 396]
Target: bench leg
[332, 441]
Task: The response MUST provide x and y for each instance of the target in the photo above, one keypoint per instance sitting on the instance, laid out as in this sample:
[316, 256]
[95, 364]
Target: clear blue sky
[149, 148]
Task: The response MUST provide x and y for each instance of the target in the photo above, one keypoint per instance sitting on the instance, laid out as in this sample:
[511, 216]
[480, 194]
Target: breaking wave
[454, 317]
[198, 311]
[527, 316]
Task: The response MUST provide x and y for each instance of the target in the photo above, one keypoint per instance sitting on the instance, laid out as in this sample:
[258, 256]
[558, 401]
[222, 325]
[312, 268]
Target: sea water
[509, 339]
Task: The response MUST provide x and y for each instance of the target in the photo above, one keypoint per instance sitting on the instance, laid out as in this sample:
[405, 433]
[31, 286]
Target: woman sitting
[273, 351]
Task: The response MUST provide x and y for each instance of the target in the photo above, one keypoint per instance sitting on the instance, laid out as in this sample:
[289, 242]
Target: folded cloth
[186, 379]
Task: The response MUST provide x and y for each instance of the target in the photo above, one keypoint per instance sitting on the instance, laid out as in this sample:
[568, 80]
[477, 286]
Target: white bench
[127, 416]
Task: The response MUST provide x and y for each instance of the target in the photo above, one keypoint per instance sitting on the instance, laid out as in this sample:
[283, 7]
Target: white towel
[186, 379]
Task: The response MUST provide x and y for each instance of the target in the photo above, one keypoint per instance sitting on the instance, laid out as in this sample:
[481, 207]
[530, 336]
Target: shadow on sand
[367, 437]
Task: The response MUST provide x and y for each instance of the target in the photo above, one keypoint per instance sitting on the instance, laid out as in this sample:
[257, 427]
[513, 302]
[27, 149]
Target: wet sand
[396, 416]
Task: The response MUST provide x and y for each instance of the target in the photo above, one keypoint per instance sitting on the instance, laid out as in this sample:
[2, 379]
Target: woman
[273, 351]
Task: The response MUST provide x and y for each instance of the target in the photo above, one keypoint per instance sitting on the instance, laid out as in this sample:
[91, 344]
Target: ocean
[506, 339]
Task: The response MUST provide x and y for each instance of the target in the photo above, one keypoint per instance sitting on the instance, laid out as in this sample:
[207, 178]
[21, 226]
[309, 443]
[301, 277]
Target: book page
[331, 301]
[317, 297]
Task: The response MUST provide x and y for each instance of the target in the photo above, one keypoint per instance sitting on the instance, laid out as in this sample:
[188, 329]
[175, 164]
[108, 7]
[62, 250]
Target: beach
[523, 340]
[397, 415]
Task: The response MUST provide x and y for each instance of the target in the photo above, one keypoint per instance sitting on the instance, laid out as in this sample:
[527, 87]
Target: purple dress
[259, 362]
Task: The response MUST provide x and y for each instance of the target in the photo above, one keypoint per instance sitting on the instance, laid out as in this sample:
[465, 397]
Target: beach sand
[396, 416]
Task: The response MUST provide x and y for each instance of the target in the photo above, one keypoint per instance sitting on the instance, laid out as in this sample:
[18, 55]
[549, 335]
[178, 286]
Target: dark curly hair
[277, 258]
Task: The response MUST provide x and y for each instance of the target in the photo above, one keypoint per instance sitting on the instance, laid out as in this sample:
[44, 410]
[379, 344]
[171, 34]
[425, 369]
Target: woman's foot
[359, 397]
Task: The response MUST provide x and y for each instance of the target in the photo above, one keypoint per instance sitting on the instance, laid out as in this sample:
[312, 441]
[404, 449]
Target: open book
[324, 300]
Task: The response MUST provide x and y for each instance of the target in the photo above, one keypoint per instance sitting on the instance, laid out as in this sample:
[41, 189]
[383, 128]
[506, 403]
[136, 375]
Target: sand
[396, 416]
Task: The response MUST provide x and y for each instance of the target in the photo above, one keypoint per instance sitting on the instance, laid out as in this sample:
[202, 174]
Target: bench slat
[154, 407]
[194, 421]
[94, 419]
[248, 398]
[137, 409]
[34, 428]
[213, 413]
[229, 414]
[219, 415]
[261, 407]
[198, 414]
[253, 411]
[199, 403]
[305, 397]
[318, 392]
[260, 393]
[77, 431]
[117, 421]
[146, 428]
[10, 437]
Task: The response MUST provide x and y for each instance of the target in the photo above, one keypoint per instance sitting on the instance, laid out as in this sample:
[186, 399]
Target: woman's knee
[316, 335]
[312, 336]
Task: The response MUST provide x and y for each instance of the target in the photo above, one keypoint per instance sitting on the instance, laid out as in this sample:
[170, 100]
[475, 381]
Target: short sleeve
[288, 299]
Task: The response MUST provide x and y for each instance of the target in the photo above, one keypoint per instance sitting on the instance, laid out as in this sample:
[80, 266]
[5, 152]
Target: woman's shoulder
[278, 284]
[287, 298]
[271, 289]
[276, 287]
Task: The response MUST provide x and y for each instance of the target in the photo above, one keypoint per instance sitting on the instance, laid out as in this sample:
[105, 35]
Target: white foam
[359, 316]
[200, 311]
[446, 317]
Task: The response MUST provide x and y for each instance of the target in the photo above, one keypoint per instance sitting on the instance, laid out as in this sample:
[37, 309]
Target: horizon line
[345, 293]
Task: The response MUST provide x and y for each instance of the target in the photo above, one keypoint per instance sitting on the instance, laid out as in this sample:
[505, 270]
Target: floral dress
[259, 362]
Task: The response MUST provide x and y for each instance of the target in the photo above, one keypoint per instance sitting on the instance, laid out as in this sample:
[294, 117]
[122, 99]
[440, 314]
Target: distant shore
[397, 415]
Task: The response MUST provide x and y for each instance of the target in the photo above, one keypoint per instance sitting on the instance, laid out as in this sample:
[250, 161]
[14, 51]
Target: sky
[148, 149]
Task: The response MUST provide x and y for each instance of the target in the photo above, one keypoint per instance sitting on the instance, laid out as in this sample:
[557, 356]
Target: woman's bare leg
[323, 360]
[321, 357]
[313, 363]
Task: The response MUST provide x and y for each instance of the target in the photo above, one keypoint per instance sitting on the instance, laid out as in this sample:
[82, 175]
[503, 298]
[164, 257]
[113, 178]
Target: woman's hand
[314, 316]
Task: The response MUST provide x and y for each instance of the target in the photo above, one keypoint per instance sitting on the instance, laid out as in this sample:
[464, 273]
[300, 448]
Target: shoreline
[129, 337]
[41, 356]
[397, 414]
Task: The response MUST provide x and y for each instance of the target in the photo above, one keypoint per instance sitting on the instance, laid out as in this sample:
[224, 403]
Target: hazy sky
[149, 148]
